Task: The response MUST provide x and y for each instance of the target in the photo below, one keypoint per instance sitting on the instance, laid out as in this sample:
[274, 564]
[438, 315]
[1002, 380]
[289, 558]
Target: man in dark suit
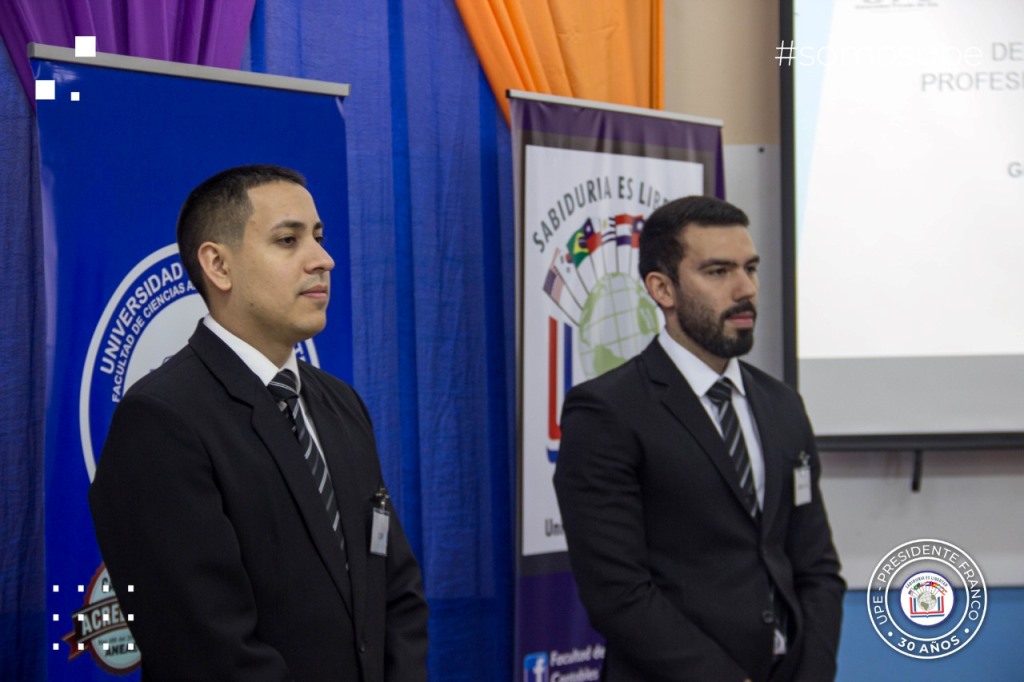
[246, 529]
[688, 482]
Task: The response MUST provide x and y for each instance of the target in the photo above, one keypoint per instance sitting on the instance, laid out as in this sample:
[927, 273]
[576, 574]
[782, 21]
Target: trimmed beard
[699, 323]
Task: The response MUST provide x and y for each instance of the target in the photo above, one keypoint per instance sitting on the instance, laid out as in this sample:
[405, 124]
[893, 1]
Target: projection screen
[906, 157]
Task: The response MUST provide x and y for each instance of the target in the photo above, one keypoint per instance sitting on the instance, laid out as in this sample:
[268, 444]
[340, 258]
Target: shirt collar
[260, 365]
[695, 371]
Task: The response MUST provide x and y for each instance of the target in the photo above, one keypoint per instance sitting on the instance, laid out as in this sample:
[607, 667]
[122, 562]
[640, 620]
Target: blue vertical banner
[587, 175]
[121, 143]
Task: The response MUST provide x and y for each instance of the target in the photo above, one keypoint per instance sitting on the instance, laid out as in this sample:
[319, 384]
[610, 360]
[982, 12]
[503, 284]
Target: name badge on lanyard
[802, 481]
[381, 521]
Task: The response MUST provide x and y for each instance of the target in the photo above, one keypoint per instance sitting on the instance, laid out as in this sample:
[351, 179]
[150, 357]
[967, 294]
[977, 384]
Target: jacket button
[362, 648]
[768, 617]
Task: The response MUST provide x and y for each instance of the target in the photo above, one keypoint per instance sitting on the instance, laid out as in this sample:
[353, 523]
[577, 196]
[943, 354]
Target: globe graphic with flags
[618, 322]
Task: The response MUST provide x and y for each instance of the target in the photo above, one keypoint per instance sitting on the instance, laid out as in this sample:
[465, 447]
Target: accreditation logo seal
[927, 599]
[101, 628]
[149, 318]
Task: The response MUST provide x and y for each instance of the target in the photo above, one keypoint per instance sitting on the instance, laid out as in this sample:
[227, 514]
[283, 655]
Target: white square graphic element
[75, 97]
[46, 90]
[85, 46]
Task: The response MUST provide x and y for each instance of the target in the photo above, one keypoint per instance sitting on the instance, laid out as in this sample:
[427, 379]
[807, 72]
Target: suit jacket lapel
[338, 448]
[775, 468]
[272, 427]
[686, 407]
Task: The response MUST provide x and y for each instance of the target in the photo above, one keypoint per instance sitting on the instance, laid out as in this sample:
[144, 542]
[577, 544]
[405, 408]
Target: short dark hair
[218, 209]
[660, 247]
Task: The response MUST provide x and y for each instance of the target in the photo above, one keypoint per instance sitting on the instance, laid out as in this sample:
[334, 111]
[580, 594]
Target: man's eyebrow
[296, 225]
[719, 262]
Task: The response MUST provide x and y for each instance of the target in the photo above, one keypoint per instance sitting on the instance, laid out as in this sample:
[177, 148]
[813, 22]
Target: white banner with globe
[585, 310]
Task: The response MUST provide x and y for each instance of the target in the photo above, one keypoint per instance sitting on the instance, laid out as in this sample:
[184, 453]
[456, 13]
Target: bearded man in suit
[238, 501]
[688, 482]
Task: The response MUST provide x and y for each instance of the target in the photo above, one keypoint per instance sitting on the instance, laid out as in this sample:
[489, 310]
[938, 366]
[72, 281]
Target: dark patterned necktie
[721, 396]
[283, 388]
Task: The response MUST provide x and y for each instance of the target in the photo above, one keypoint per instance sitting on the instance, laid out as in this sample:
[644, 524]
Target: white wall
[752, 183]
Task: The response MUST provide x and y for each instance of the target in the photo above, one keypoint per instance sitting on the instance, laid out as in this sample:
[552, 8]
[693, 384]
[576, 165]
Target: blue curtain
[430, 182]
[22, 377]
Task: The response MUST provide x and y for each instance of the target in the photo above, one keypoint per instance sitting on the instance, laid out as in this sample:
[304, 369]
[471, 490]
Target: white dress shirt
[262, 367]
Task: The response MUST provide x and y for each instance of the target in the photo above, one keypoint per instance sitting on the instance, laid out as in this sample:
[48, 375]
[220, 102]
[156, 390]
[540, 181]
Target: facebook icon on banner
[535, 667]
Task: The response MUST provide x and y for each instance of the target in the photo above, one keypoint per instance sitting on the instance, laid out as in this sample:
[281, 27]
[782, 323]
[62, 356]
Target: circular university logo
[149, 318]
[594, 285]
[927, 599]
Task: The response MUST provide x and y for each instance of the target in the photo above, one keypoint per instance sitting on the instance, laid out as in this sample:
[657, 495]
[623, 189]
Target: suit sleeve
[405, 637]
[172, 554]
[599, 494]
[816, 580]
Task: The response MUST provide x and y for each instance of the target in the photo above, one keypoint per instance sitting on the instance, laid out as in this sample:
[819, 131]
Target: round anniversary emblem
[149, 318]
[927, 599]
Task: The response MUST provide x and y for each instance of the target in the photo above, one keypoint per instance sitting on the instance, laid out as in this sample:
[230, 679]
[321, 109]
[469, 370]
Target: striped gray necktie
[283, 388]
[721, 396]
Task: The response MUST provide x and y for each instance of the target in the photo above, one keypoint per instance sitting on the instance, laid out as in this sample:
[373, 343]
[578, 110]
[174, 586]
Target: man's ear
[215, 260]
[662, 290]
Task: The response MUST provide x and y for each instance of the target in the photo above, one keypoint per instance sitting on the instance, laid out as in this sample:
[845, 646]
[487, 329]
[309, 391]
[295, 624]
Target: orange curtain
[605, 50]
